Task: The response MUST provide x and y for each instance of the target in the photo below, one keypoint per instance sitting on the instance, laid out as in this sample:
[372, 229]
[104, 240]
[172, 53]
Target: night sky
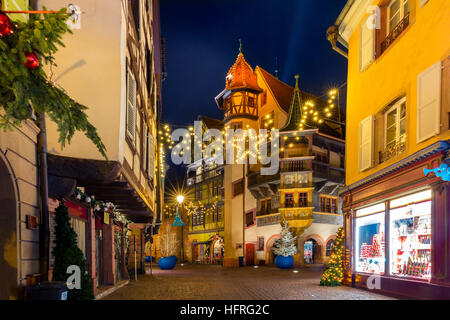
[201, 44]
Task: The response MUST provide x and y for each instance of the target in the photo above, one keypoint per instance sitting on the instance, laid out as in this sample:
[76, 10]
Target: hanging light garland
[311, 114]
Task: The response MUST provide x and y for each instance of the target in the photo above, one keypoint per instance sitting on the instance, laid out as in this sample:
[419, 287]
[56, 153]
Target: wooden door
[249, 254]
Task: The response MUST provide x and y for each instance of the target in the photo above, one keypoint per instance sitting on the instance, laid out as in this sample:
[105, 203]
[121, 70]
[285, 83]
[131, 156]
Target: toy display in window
[411, 241]
[371, 248]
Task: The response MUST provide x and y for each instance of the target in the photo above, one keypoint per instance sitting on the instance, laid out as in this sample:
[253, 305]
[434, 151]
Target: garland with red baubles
[25, 47]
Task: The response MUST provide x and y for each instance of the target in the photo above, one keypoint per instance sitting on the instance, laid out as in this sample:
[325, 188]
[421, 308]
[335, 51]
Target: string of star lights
[309, 111]
[164, 142]
[190, 206]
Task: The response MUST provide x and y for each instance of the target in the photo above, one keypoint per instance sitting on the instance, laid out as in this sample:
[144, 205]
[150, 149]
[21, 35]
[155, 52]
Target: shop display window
[410, 233]
[370, 240]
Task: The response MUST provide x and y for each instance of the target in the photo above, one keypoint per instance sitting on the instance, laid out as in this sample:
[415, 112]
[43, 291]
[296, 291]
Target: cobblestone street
[209, 282]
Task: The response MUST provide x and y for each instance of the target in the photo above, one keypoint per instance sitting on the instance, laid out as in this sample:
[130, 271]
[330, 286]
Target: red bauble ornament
[32, 61]
[5, 25]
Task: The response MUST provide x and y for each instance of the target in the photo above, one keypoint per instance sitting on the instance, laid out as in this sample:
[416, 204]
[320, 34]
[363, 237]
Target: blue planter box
[167, 263]
[284, 262]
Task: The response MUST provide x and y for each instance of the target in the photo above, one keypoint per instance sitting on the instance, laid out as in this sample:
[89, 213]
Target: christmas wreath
[24, 85]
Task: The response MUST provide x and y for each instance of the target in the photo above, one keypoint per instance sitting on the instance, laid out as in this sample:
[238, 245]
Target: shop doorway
[218, 251]
[311, 252]
[8, 236]
[249, 254]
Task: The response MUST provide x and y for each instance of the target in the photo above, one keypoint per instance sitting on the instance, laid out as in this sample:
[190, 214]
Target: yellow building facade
[398, 110]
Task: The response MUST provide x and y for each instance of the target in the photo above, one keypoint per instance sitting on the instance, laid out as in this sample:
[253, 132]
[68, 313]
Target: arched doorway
[312, 252]
[270, 257]
[8, 234]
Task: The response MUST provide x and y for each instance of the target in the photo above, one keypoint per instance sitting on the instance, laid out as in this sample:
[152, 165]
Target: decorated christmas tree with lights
[334, 274]
[285, 246]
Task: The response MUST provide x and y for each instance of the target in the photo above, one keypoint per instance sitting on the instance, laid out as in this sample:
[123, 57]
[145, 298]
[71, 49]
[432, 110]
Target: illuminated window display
[410, 233]
[369, 239]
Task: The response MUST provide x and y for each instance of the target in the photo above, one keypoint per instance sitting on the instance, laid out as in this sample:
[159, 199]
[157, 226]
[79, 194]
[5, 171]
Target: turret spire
[295, 111]
[240, 45]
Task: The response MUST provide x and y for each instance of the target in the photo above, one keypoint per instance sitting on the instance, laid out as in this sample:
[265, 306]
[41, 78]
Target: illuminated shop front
[397, 229]
[409, 242]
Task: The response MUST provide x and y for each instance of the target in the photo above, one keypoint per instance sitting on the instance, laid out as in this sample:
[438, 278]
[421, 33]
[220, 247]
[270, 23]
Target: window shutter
[366, 143]
[145, 148]
[366, 45]
[151, 156]
[16, 5]
[429, 102]
[131, 106]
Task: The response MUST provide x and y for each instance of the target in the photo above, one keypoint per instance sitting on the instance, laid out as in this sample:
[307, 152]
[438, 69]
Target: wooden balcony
[295, 165]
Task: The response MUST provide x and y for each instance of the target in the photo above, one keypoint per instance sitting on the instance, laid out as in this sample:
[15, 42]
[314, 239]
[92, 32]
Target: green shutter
[16, 5]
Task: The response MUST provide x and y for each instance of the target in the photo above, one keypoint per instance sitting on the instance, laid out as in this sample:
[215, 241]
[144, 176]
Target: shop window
[329, 247]
[238, 188]
[79, 226]
[410, 243]
[288, 200]
[303, 199]
[369, 240]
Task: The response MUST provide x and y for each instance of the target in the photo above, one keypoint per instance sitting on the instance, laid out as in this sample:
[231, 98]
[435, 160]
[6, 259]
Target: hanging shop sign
[105, 217]
[442, 171]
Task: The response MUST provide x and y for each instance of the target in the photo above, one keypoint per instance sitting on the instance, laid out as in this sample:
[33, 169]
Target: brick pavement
[211, 282]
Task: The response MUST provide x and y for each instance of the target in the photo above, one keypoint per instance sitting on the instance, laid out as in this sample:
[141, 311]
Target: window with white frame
[131, 106]
[395, 124]
[398, 10]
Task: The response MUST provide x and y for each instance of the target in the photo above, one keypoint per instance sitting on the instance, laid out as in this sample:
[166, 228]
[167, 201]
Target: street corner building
[112, 63]
[242, 211]
[398, 109]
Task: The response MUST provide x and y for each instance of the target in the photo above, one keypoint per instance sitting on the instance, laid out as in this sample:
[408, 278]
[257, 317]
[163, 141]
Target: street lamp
[180, 199]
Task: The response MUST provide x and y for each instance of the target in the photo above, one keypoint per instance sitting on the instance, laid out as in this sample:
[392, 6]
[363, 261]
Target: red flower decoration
[32, 61]
[5, 25]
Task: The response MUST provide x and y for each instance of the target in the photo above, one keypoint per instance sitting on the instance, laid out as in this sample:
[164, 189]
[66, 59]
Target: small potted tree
[169, 246]
[284, 248]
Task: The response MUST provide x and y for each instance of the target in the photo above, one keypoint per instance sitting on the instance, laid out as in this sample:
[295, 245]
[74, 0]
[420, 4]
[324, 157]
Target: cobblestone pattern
[207, 282]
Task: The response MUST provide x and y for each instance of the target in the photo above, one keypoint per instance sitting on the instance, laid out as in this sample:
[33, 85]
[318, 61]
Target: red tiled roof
[241, 75]
[282, 91]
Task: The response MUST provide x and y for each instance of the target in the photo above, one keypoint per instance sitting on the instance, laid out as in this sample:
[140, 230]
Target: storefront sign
[443, 171]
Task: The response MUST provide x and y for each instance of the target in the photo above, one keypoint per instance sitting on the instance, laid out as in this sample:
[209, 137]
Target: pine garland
[23, 90]
[334, 274]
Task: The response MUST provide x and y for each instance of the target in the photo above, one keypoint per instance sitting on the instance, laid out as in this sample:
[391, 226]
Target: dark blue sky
[201, 42]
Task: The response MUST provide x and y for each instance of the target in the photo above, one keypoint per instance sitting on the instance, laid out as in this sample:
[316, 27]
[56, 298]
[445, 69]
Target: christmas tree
[177, 221]
[285, 246]
[67, 253]
[334, 273]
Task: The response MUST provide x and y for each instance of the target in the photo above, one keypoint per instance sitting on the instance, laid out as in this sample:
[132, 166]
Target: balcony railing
[392, 151]
[395, 33]
[295, 165]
